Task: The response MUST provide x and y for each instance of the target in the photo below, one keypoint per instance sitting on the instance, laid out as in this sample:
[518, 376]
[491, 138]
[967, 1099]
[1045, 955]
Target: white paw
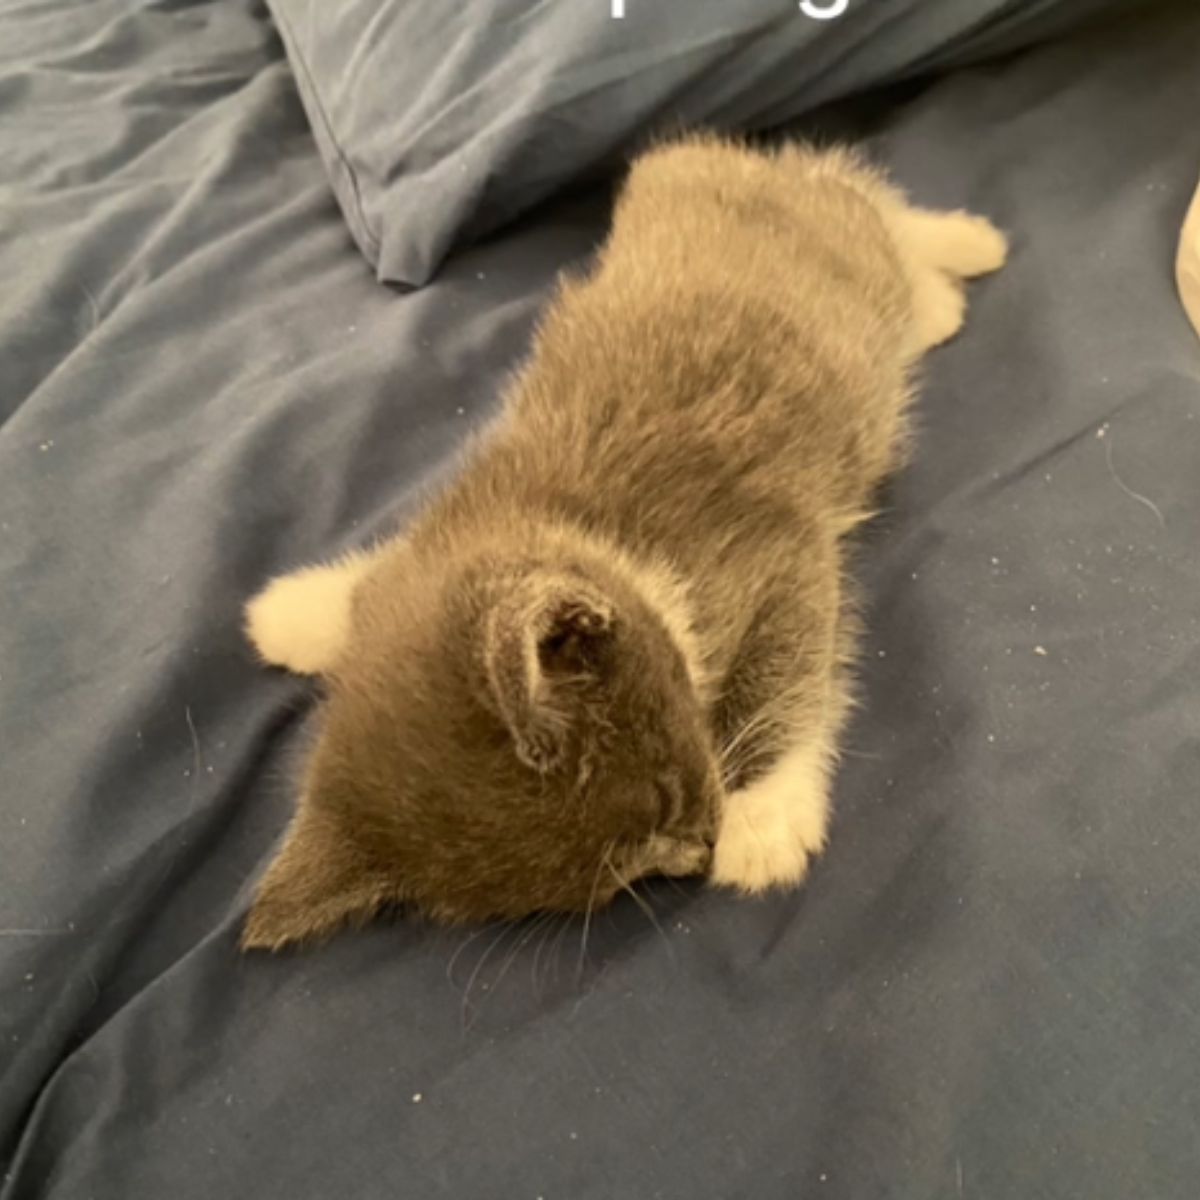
[758, 851]
[960, 243]
[979, 248]
[302, 621]
[772, 829]
[939, 308]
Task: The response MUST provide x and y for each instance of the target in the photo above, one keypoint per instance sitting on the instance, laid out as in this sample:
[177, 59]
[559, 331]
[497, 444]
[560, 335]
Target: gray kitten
[616, 643]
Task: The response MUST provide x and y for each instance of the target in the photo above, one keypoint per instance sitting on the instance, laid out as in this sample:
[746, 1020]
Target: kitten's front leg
[771, 828]
[302, 621]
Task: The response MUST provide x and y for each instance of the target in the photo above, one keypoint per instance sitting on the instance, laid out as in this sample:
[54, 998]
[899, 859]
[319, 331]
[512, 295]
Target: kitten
[616, 644]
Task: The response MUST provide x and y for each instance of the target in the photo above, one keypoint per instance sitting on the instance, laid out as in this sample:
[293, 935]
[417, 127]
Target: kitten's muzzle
[686, 858]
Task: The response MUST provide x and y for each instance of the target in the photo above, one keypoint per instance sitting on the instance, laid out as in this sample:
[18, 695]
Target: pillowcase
[439, 120]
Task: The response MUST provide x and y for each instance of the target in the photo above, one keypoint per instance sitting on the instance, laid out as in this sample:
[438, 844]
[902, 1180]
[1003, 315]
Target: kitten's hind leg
[960, 243]
[771, 829]
[941, 249]
[302, 621]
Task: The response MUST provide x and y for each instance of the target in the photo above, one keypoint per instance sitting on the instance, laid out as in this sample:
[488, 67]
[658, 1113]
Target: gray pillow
[439, 120]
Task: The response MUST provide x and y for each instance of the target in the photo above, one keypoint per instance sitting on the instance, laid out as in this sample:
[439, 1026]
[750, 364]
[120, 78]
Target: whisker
[559, 943]
[587, 917]
[675, 885]
[517, 946]
[763, 722]
[775, 713]
[774, 725]
[756, 722]
[645, 907]
[457, 953]
[549, 931]
[466, 999]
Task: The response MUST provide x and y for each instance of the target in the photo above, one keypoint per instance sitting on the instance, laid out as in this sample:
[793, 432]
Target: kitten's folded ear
[544, 630]
[316, 884]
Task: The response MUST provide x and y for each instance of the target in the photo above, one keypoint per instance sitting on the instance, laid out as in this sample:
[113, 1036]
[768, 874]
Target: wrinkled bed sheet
[990, 986]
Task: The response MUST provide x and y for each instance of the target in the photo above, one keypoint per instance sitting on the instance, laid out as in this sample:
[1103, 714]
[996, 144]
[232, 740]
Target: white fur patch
[939, 307]
[959, 243]
[302, 621]
[940, 250]
[771, 829]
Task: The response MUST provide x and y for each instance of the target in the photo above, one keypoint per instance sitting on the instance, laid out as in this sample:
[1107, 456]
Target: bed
[990, 985]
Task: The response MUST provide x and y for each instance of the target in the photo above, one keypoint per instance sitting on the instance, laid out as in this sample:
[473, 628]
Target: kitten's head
[512, 736]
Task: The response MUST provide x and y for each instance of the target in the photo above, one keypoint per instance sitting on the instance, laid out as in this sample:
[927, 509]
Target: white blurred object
[1187, 264]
